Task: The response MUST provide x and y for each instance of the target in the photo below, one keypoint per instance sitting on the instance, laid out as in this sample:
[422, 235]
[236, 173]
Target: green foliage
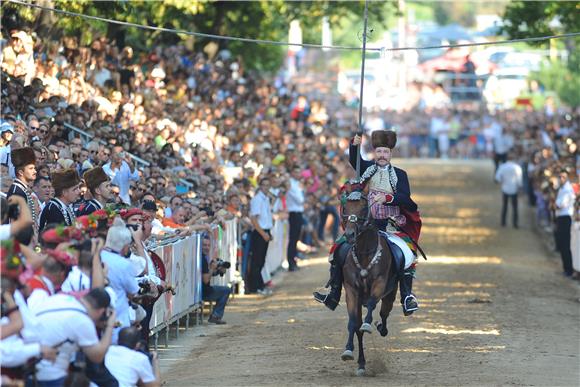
[268, 20]
[527, 19]
[564, 82]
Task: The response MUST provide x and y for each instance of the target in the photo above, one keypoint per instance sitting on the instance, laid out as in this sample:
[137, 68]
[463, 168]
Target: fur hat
[384, 139]
[95, 177]
[65, 179]
[22, 157]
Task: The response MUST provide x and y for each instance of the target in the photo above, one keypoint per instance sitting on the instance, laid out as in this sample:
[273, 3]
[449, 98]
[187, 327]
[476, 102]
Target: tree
[264, 20]
[523, 19]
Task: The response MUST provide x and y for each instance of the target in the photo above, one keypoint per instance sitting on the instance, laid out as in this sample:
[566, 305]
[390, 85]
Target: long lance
[362, 81]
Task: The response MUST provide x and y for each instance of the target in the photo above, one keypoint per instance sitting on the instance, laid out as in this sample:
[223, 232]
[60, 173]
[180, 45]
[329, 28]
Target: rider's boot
[331, 298]
[408, 300]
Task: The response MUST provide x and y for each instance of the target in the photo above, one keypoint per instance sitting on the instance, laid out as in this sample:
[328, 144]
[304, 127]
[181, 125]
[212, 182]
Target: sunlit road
[494, 309]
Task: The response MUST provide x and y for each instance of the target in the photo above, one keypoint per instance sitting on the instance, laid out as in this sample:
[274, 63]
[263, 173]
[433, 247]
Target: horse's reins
[354, 219]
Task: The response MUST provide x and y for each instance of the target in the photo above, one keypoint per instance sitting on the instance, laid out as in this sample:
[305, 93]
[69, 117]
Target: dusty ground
[494, 309]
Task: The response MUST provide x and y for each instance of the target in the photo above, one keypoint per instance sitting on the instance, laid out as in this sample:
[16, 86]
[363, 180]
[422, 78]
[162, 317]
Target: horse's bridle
[361, 223]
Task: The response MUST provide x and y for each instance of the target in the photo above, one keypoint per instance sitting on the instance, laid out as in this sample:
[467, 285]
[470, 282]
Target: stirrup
[408, 310]
[329, 302]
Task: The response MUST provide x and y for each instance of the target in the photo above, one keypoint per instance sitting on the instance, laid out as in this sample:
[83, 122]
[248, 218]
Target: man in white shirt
[510, 176]
[121, 171]
[67, 324]
[503, 142]
[295, 206]
[121, 276]
[261, 216]
[129, 365]
[564, 212]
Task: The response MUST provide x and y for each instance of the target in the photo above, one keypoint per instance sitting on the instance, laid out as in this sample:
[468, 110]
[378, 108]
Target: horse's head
[355, 214]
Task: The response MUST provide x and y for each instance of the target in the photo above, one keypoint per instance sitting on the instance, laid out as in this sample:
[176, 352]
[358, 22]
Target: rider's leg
[332, 297]
[408, 300]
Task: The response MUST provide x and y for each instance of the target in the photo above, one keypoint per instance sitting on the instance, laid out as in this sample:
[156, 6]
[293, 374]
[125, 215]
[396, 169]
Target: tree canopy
[267, 20]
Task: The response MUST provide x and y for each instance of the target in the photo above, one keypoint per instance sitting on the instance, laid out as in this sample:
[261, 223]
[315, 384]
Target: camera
[144, 288]
[134, 227]
[222, 266]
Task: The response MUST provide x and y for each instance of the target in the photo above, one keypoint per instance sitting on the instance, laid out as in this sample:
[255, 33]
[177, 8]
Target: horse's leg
[361, 354]
[371, 305]
[353, 306]
[386, 307]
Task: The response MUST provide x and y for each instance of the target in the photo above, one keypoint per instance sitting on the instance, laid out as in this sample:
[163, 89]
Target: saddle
[342, 250]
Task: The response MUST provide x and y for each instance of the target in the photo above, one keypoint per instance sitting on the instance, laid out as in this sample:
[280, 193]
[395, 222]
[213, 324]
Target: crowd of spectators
[81, 213]
[204, 132]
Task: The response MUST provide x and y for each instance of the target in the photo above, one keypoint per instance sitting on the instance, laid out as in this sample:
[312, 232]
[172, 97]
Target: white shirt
[502, 143]
[76, 281]
[39, 296]
[63, 323]
[295, 197]
[509, 175]
[128, 366]
[121, 177]
[565, 200]
[5, 232]
[260, 207]
[15, 352]
[6, 158]
[123, 282]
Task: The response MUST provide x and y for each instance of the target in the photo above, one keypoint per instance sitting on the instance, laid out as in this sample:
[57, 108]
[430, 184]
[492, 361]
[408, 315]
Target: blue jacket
[402, 196]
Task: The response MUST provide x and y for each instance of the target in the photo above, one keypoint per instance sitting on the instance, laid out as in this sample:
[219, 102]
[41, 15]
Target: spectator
[295, 204]
[121, 276]
[43, 189]
[219, 294]
[130, 364]
[564, 211]
[509, 175]
[121, 171]
[99, 186]
[66, 185]
[67, 324]
[261, 215]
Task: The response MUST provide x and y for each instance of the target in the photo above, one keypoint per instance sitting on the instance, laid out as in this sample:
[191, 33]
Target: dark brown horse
[369, 275]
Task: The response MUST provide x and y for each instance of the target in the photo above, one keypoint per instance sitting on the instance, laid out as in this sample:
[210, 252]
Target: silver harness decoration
[365, 272]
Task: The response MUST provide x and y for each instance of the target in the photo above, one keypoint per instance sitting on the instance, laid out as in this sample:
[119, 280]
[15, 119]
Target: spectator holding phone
[121, 171]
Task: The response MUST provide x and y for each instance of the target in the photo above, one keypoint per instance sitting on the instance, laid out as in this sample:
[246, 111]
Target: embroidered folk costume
[93, 179]
[389, 198]
[56, 211]
[21, 158]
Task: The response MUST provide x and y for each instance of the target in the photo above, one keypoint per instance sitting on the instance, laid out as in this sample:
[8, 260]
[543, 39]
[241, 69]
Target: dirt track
[494, 309]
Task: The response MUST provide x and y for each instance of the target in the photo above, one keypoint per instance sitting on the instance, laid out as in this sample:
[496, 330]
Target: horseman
[392, 210]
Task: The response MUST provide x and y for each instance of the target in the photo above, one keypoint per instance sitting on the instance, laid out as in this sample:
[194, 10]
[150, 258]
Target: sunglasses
[43, 131]
[93, 151]
[106, 154]
[34, 127]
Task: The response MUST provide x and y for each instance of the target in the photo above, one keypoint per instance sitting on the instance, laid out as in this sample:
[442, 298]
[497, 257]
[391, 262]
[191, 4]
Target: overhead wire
[278, 43]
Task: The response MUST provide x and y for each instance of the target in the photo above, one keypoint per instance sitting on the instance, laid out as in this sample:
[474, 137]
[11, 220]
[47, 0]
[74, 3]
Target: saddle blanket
[407, 252]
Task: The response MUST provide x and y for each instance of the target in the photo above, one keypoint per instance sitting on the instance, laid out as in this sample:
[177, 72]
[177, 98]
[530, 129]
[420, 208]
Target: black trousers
[296, 222]
[504, 206]
[258, 250]
[563, 226]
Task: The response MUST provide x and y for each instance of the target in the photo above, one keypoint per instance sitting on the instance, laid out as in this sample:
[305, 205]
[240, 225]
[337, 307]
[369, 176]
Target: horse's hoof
[347, 355]
[366, 328]
[360, 372]
[382, 331]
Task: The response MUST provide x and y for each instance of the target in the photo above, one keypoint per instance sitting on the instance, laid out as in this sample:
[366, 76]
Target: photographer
[219, 294]
[15, 210]
[66, 324]
[128, 362]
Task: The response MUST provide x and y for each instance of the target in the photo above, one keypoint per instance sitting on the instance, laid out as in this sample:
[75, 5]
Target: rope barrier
[306, 45]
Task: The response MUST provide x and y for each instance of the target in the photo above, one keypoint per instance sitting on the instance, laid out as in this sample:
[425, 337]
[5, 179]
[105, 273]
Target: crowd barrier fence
[183, 270]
